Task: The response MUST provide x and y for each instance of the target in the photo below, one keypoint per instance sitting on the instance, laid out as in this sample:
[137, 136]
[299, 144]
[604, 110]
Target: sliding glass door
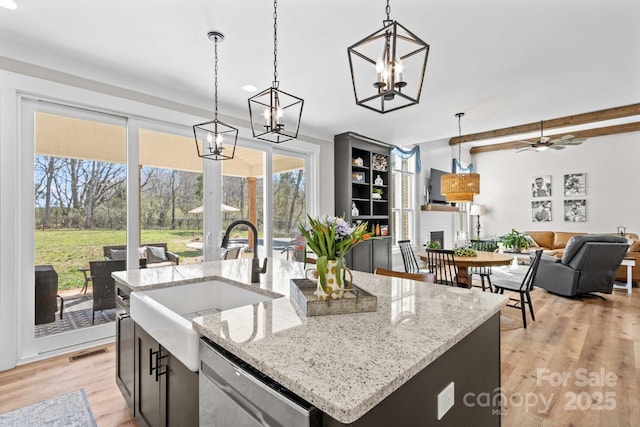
[78, 182]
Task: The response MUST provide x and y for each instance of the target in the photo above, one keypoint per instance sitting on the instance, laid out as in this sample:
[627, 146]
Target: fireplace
[437, 236]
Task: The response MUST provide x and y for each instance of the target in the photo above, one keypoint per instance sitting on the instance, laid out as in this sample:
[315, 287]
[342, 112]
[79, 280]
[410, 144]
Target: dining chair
[409, 257]
[523, 288]
[104, 287]
[442, 263]
[420, 277]
[483, 272]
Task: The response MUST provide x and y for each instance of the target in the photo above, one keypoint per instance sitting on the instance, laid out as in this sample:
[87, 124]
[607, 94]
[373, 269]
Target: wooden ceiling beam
[587, 133]
[577, 119]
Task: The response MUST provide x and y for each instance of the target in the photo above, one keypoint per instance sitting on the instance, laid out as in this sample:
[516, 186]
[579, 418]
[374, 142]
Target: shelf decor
[330, 238]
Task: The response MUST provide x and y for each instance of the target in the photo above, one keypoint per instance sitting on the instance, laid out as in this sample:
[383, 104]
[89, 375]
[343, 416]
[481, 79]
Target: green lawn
[67, 250]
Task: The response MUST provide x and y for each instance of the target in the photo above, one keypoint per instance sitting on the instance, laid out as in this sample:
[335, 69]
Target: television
[434, 186]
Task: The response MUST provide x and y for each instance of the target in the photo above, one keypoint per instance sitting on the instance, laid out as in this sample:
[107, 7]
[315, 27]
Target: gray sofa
[588, 264]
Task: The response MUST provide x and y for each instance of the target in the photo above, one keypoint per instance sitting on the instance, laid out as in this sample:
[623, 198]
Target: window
[403, 173]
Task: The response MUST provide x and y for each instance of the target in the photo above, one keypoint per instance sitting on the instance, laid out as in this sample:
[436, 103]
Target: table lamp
[478, 210]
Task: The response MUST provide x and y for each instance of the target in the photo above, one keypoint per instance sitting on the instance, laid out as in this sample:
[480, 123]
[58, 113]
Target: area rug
[69, 410]
[77, 314]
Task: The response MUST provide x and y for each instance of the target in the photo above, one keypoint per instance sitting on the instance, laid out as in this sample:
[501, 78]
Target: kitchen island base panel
[474, 367]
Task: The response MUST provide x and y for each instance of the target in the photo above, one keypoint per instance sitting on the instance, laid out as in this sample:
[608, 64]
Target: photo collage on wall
[575, 210]
[541, 189]
[574, 207]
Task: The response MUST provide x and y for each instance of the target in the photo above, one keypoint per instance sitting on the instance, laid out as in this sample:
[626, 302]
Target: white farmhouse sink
[166, 313]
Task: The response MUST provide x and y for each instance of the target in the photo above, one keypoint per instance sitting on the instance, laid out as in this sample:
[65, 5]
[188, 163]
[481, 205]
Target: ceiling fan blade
[557, 147]
[576, 141]
[519, 150]
[559, 141]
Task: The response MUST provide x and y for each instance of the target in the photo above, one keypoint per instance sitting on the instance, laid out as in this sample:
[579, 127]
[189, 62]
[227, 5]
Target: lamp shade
[477, 210]
[460, 187]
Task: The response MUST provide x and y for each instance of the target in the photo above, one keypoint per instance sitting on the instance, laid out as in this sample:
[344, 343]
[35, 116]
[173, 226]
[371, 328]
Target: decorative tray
[356, 300]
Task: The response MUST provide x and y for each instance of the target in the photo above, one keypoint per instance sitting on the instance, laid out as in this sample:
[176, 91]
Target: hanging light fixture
[275, 115]
[387, 67]
[211, 136]
[460, 187]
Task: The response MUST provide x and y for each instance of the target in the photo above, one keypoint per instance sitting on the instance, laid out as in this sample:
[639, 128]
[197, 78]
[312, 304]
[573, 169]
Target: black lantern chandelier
[275, 115]
[387, 67]
[212, 136]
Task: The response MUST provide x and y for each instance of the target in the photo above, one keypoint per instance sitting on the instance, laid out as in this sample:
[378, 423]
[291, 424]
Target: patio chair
[104, 288]
[232, 253]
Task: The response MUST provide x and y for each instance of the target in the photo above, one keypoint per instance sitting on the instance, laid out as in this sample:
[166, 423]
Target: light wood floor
[42, 380]
[573, 337]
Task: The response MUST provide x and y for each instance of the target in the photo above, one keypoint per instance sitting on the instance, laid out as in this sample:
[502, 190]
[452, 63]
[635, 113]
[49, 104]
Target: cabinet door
[125, 356]
[381, 254]
[361, 256]
[181, 399]
[148, 406]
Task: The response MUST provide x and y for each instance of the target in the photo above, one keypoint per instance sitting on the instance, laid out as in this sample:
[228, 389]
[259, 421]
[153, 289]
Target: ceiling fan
[545, 142]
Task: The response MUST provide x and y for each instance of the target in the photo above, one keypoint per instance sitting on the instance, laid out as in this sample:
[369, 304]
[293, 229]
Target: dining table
[482, 259]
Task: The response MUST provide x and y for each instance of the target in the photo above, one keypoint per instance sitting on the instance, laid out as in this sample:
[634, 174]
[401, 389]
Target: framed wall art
[575, 184]
[575, 210]
[541, 211]
[541, 186]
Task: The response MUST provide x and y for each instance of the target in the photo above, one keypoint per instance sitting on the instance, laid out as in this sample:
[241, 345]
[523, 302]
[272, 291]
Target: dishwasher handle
[259, 416]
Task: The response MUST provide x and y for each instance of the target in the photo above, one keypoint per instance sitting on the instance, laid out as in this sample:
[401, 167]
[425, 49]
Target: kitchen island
[375, 368]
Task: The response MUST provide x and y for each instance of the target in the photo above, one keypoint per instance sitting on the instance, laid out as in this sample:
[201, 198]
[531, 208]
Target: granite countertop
[342, 364]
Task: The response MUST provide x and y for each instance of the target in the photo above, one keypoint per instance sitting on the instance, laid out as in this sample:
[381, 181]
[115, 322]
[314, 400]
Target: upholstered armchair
[588, 264]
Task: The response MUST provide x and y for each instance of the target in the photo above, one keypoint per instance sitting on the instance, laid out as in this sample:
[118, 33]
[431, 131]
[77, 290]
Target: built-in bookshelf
[363, 194]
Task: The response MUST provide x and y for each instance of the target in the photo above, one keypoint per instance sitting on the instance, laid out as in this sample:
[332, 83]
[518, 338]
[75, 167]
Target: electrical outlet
[446, 398]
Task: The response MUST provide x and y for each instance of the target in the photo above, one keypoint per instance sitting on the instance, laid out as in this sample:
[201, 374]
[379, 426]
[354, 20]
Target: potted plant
[515, 240]
[376, 193]
[330, 238]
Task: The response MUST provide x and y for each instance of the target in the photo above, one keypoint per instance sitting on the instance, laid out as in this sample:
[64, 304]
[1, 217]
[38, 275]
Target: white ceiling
[502, 62]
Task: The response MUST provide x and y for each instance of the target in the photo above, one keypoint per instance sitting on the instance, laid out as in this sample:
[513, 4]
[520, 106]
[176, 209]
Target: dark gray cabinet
[363, 193]
[159, 389]
[125, 347]
[166, 390]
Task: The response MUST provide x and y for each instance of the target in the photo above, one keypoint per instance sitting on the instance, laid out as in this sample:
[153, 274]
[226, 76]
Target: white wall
[610, 165]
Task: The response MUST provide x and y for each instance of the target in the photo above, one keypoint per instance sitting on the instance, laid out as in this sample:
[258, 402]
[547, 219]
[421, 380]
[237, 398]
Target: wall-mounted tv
[434, 186]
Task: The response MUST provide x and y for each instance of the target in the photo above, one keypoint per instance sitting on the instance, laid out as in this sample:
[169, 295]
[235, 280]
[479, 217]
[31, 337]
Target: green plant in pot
[515, 240]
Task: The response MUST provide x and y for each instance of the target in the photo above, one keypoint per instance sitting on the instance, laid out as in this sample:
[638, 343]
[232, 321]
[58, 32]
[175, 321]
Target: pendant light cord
[215, 79]
[459, 137]
[275, 44]
[388, 11]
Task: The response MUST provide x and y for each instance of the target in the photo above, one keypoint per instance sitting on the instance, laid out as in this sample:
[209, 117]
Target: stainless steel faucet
[256, 270]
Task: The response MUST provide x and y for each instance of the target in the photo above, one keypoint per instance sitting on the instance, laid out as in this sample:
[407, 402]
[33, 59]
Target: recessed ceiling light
[8, 4]
[248, 88]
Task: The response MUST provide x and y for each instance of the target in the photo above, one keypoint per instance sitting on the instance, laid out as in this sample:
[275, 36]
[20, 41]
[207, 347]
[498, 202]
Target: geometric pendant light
[387, 67]
[460, 187]
[274, 114]
[214, 139]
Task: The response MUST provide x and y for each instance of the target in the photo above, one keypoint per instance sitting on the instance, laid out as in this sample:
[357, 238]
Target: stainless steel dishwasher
[234, 394]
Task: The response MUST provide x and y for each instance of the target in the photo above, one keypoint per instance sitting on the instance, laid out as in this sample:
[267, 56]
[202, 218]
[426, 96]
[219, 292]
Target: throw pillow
[118, 254]
[155, 254]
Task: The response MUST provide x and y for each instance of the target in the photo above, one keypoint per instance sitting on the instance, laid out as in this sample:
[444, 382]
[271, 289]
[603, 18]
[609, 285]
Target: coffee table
[630, 263]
